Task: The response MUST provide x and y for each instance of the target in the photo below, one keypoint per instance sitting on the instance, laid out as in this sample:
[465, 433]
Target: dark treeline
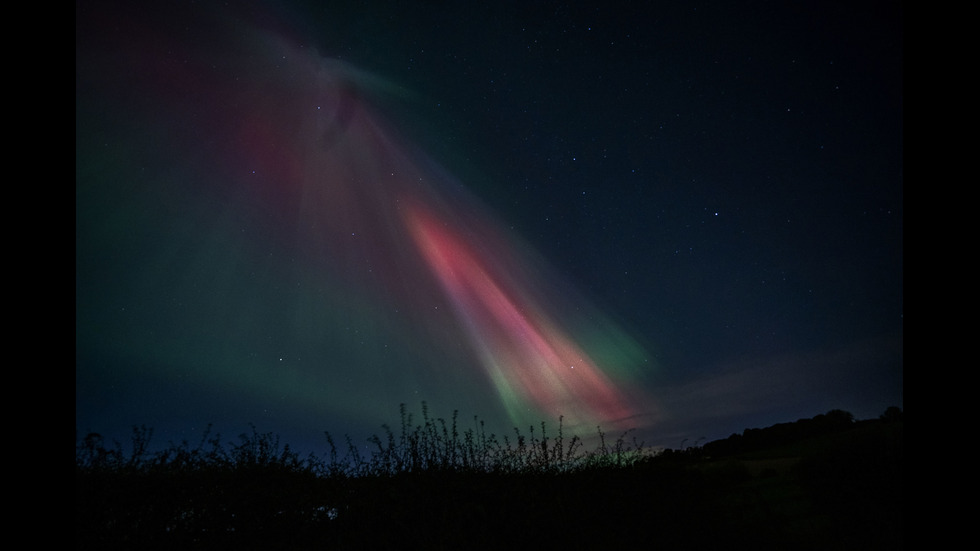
[783, 434]
[825, 482]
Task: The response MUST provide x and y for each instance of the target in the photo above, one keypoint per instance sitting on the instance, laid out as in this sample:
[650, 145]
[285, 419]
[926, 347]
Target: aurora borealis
[272, 232]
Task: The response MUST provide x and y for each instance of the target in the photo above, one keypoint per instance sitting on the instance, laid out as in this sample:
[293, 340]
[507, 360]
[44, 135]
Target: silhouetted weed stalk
[433, 445]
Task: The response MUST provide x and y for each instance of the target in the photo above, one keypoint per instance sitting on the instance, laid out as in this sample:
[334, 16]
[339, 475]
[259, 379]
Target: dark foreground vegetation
[829, 482]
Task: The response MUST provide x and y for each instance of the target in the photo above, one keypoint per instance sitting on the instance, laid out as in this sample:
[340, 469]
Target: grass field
[429, 486]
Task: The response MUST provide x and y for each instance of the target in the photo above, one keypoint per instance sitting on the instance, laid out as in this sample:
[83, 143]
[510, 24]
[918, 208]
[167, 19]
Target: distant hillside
[828, 482]
[777, 437]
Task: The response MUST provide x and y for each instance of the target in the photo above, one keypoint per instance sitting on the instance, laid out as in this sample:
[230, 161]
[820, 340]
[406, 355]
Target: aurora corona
[339, 267]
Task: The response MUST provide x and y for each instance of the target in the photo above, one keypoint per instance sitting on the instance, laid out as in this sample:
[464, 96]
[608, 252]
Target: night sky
[683, 218]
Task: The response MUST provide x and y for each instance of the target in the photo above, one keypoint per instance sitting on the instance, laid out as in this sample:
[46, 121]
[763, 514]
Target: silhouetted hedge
[431, 486]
